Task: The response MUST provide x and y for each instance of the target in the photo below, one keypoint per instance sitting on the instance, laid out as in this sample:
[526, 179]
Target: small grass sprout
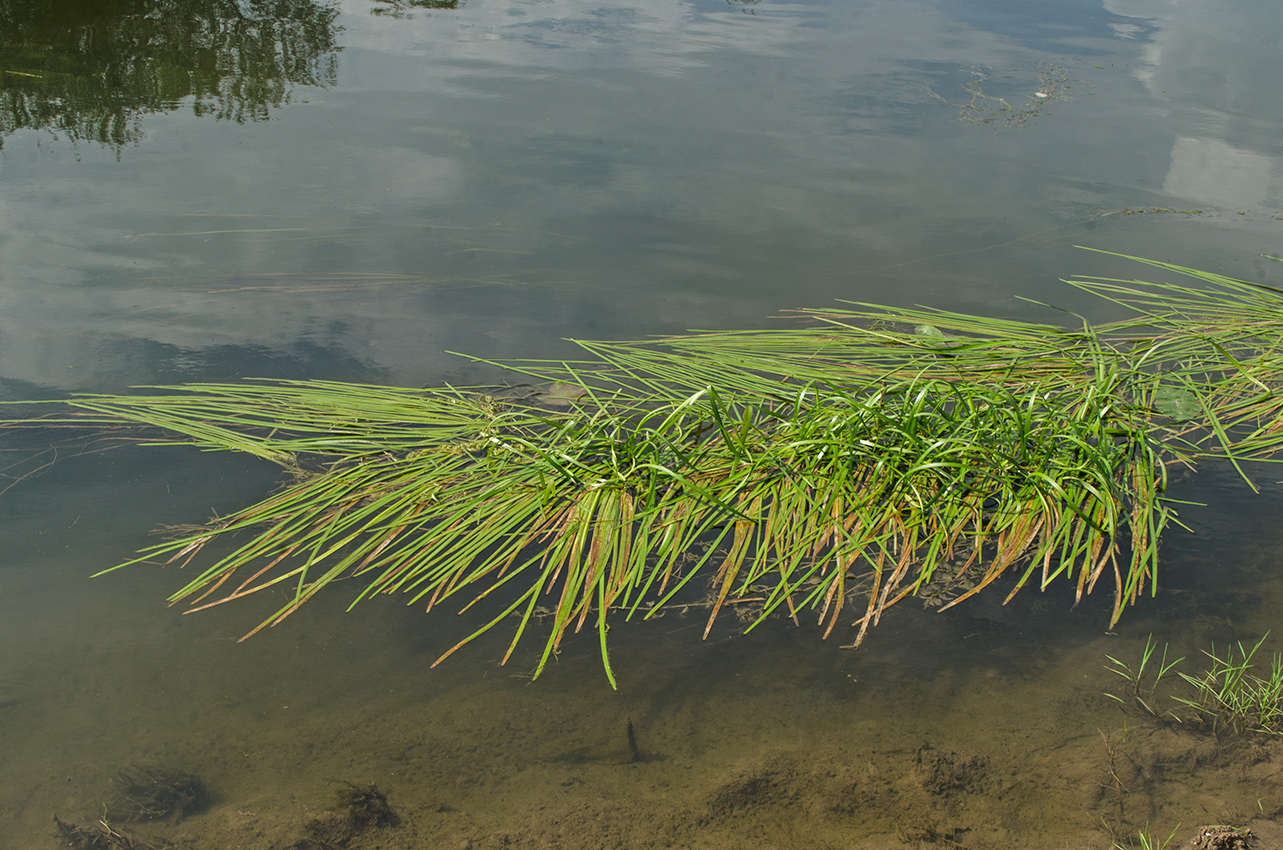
[1144, 678]
[1230, 696]
[1147, 840]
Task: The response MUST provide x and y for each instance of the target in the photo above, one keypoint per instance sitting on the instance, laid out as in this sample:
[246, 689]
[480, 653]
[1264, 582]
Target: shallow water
[981, 727]
[355, 194]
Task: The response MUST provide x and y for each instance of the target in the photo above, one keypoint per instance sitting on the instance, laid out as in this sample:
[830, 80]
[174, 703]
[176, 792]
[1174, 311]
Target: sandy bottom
[985, 727]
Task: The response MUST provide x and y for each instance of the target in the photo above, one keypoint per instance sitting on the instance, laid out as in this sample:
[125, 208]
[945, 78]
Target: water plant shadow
[151, 791]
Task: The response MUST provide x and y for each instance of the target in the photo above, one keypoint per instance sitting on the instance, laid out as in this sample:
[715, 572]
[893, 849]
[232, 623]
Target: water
[351, 192]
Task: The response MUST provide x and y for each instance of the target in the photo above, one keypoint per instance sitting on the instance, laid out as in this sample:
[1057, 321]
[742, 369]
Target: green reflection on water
[90, 70]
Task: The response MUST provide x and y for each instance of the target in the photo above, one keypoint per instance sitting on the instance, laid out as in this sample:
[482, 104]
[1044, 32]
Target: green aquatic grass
[1148, 840]
[1143, 678]
[830, 470]
[1229, 695]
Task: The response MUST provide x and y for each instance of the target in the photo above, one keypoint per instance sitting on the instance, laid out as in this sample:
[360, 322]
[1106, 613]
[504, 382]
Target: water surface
[201, 191]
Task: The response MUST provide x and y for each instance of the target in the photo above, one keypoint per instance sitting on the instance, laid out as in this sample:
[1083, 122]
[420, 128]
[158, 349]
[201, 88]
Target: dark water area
[197, 191]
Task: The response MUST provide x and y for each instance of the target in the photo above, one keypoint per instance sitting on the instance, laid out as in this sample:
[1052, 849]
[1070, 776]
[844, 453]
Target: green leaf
[1178, 405]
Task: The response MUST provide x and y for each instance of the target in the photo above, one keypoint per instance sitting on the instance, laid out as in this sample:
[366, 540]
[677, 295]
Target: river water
[212, 191]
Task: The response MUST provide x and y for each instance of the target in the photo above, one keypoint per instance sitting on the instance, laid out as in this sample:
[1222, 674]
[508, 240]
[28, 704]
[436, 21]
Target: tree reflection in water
[89, 69]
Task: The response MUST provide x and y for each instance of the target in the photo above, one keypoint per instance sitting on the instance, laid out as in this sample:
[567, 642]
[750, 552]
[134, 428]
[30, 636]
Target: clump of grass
[1230, 696]
[834, 468]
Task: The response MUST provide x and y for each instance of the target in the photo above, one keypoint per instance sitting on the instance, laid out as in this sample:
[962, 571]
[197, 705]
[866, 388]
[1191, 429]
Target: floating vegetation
[828, 471]
[1011, 99]
[1154, 211]
[147, 792]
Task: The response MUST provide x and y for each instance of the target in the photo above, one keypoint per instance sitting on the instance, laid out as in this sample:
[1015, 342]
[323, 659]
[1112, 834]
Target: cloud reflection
[1217, 66]
[658, 38]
